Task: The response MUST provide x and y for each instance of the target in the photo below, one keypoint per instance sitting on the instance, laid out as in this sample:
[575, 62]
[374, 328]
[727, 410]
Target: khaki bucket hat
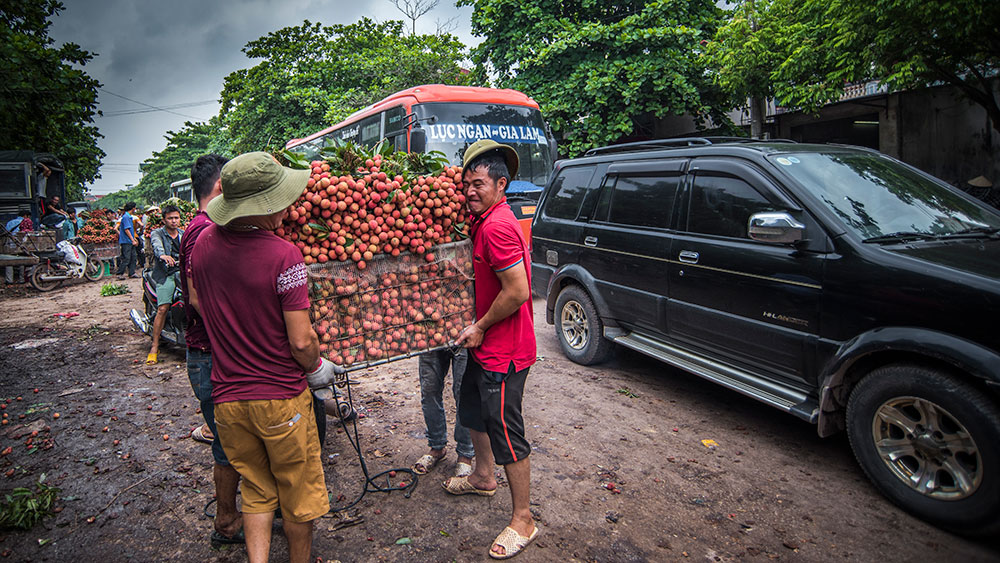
[255, 184]
[484, 146]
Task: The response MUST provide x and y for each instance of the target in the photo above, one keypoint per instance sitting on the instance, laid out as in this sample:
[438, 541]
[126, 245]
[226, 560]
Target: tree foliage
[48, 102]
[598, 68]
[803, 52]
[169, 165]
[312, 76]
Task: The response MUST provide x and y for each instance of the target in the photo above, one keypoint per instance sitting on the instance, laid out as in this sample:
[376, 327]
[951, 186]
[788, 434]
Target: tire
[36, 281]
[94, 270]
[939, 457]
[579, 328]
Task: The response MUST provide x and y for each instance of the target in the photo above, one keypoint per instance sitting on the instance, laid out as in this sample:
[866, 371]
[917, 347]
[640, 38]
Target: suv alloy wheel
[579, 328]
[924, 438]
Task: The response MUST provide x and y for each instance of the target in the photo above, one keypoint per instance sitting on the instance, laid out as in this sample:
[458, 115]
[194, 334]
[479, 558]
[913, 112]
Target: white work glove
[324, 375]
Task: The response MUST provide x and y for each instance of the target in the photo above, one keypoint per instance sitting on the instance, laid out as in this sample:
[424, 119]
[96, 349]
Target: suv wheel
[579, 328]
[931, 443]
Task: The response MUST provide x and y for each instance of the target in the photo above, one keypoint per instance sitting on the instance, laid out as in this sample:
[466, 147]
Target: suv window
[639, 201]
[567, 192]
[721, 205]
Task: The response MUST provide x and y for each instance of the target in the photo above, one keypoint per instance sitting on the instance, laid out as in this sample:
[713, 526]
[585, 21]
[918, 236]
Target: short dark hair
[495, 164]
[24, 214]
[204, 173]
[128, 206]
[169, 209]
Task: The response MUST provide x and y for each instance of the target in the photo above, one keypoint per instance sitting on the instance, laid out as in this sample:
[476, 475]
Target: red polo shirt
[498, 244]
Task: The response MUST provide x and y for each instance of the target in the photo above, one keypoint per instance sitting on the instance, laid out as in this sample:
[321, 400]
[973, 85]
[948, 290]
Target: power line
[155, 108]
[164, 108]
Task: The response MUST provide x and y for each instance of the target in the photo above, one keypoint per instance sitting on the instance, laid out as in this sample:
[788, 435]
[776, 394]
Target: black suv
[832, 282]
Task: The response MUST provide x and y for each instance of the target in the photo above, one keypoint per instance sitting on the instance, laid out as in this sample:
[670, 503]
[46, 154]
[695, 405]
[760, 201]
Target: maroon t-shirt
[245, 281]
[194, 333]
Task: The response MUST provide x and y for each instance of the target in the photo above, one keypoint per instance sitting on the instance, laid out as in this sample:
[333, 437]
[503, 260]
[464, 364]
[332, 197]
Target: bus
[181, 189]
[436, 117]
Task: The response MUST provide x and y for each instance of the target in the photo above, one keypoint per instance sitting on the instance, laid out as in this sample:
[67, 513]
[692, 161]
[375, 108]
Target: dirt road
[133, 484]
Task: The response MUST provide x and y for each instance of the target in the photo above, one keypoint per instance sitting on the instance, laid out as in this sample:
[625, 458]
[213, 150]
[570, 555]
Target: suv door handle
[590, 241]
[689, 257]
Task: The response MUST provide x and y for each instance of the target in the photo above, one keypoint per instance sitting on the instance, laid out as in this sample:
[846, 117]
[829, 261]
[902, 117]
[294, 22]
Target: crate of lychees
[395, 308]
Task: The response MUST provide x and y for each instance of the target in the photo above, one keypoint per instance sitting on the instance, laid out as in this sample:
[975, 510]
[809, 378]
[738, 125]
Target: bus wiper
[900, 236]
[973, 232]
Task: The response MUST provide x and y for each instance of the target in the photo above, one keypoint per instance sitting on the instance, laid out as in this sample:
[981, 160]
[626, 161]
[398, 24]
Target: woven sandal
[511, 542]
[198, 435]
[462, 486]
[425, 464]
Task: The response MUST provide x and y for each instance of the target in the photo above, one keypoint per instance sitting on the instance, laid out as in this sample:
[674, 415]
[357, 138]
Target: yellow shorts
[274, 445]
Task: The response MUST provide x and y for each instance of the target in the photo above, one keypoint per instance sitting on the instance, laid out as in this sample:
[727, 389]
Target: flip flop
[151, 359]
[219, 539]
[425, 464]
[511, 542]
[462, 486]
[463, 469]
[198, 435]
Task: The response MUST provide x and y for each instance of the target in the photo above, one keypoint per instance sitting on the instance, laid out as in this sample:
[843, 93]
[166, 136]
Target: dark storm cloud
[166, 53]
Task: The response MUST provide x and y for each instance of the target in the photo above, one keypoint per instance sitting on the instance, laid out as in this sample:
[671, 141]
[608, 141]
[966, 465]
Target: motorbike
[68, 261]
[173, 328]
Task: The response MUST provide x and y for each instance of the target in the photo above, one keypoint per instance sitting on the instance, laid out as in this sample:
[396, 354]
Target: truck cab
[26, 179]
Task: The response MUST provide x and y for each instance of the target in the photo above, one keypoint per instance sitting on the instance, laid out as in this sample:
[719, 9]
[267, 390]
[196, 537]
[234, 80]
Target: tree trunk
[757, 111]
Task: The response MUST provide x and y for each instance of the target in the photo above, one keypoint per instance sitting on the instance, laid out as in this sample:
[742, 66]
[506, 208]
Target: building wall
[947, 136]
[934, 129]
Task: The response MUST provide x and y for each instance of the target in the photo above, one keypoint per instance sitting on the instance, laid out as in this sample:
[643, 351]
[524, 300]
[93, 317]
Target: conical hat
[980, 182]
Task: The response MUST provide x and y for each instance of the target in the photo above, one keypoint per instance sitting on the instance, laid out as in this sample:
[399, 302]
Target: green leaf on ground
[628, 393]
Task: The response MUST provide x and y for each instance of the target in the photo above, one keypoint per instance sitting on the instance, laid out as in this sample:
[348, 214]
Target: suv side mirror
[418, 140]
[775, 226]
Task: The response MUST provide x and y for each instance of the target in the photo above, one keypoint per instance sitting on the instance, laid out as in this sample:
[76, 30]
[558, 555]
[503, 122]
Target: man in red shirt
[207, 185]
[250, 288]
[501, 341]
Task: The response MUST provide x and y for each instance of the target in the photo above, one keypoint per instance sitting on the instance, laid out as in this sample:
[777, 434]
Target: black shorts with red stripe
[491, 403]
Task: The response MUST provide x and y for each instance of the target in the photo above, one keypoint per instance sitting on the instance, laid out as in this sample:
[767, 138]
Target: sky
[174, 55]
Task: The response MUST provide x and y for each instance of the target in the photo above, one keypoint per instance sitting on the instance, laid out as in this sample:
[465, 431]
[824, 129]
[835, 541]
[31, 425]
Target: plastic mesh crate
[397, 307]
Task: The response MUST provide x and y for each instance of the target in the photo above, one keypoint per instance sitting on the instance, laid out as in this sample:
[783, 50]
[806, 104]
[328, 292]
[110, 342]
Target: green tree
[312, 76]
[169, 165]
[805, 51]
[599, 69]
[48, 103]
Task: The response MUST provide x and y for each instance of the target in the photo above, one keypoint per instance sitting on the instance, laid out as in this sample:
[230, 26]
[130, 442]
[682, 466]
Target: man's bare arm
[302, 339]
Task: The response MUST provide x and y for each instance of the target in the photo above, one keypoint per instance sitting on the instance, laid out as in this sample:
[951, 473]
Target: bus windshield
[451, 127]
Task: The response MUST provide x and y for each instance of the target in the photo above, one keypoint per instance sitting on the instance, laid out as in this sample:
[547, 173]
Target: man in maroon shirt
[501, 342]
[250, 288]
[206, 184]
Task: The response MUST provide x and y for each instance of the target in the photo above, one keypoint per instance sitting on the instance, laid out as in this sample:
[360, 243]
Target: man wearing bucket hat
[501, 343]
[250, 287]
